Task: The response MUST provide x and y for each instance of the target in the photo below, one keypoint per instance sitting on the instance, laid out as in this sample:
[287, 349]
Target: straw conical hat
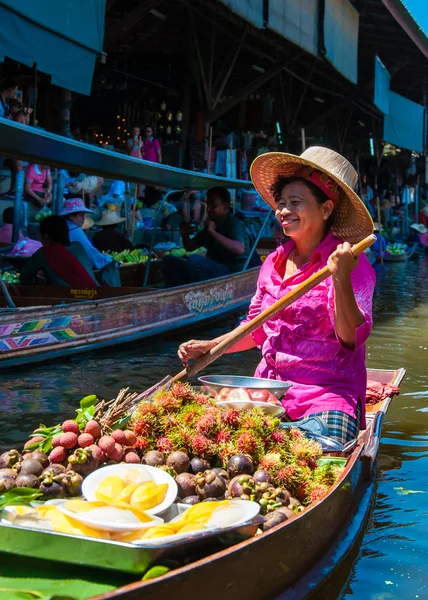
[109, 217]
[419, 227]
[351, 220]
[88, 223]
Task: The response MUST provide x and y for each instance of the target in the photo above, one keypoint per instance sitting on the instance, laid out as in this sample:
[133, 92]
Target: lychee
[85, 439]
[97, 453]
[117, 453]
[106, 443]
[34, 440]
[70, 427]
[119, 436]
[93, 427]
[68, 440]
[132, 457]
[56, 440]
[58, 455]
[130, 437]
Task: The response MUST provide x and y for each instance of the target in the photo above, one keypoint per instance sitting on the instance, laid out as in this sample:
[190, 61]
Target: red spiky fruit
[58, 455]
[93, 428]
[202, 399]
[56, 440]
[68, 440]
[278, 437]
[287, 475]
[130, 438]
[85, 439]
[119, 436]
[167, 402]
[142, 444]
[143, 424]
[207, 424]
[117, 453]
[34, 440]
[222, 437]
[132, 458]
[164, 444]
[307, 462]
[247, 443]
[270, 462]
[201, 445]
[97, 453]
[106, 443]
[183, 391]
[318, 492]
[231, 417]
[295, 433]
[302, 492]
[70, 426]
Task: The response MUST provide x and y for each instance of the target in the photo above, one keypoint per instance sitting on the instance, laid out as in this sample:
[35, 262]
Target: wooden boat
[292, 559]
[54, 321]
[400, 257]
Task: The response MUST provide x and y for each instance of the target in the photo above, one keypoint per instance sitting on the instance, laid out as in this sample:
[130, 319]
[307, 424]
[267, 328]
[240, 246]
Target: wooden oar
[244, 330]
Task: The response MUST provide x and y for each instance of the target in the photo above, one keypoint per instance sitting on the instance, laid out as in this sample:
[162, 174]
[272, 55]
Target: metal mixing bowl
[217, 382]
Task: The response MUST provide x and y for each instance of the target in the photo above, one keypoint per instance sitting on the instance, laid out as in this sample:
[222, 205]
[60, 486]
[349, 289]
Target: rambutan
[278, 437]
[143, 444]
[326, 475]
[231, 417]
[167, 402]
[251, 420]
[190, 415]
[203, 400]
[295, 433]
[304, 448]
[146, 408]
[247, 443]
[143, 425]
[307, 462]
[168, 422]
[317, 492]
[207, 424]
[301, 491]
[182, 391]
[286, 475]
[202, 446]
[164, 444]
[222, 437]
[271, 462]
[225, 453]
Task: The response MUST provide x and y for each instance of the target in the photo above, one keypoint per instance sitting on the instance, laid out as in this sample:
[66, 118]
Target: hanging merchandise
[179, 116]
[163, 105]
[169, 116]
[177, 129]
[168, 130]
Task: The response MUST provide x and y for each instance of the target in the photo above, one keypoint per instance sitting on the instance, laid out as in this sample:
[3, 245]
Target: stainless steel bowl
[218, 382]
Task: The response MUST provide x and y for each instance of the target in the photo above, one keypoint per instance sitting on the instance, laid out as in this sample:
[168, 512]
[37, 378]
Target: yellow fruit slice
[63, 524]
[148, 495]
[202, 512]
[192, 527]
[126, 493]
[79, 506]
[109, 489]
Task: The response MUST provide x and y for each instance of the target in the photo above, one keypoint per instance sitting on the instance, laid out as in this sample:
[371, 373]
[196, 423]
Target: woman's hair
[56, 229]
[8, 215]
[281, 182]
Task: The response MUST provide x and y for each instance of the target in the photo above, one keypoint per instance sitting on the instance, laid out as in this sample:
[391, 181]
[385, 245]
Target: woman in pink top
[38, 188]
[317, 343]
[135, 144]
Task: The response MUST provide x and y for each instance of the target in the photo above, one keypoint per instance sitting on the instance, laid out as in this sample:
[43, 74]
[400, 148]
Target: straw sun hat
[109, 217]
[419, 227]
[329, 171]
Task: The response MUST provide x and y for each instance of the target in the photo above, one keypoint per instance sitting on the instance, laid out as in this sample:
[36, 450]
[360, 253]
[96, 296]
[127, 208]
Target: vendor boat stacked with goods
[184, 485]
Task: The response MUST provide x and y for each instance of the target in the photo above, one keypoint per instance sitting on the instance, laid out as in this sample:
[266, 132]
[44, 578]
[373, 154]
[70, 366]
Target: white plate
[92, 481]
[108, 525]
[269, 409]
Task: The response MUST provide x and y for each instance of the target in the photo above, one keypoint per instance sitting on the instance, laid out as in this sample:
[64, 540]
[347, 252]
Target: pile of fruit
[247, 395]
[128, 257]
[10, 276]
[396, 249]
[180, 252]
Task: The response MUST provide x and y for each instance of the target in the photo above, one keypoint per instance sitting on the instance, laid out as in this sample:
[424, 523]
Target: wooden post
[134, 210]
[380, 229]
[231, 168]
[209, 150]
[303, 136]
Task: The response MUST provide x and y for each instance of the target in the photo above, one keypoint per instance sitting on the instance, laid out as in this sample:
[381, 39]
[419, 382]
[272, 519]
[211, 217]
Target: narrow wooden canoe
[400, 257]
[53, 321]
[291, 560]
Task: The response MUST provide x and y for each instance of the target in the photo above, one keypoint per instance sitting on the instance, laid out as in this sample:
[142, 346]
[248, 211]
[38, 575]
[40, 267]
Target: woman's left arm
[347, 314]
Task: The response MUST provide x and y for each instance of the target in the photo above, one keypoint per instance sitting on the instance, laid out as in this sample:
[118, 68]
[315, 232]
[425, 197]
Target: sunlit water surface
[391, 561]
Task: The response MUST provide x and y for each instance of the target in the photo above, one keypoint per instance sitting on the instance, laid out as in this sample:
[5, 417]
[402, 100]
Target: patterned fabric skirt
[341, 426]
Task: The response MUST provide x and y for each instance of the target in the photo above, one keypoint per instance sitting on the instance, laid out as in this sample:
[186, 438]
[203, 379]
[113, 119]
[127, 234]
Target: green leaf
[47, 445]
[21, 588]
[19, 496]
[156, 571]
[88, 401]
[121, 422]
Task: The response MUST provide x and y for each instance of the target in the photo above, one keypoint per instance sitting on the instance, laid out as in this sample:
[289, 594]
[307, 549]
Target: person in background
[79, 182]
[110, 239]
[38, 188]
[151, 146]
[226, 241]
[153, 199]
[423, 216]
[188, 205]
[135, 144]
[8, 90]
[6, 228]
[62, 263]
[379, 247]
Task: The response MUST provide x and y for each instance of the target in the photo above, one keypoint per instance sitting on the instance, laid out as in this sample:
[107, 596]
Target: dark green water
[391, 560]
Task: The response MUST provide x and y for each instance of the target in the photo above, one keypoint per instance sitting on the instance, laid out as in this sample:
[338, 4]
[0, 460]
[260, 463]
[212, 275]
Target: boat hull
[292, 559]
[38, 333]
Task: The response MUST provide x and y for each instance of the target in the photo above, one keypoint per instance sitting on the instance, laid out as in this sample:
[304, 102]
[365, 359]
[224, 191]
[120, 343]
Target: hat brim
[351, 220]
[63, 213]
[102, 223]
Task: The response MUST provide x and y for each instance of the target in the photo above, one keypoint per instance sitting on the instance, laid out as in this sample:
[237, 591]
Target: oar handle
[247, 328]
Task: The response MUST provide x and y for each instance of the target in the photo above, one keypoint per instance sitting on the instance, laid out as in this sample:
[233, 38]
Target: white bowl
[270, 409]
[108, 525]
[92, 481]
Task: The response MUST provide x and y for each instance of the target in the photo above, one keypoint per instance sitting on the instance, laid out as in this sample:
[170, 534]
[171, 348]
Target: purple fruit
[52, 490]
[199, 465]
[240, 464]
[273, 519]
[222, 472]
[8, 473]
[191, 500]
[6, 483]
[210, 485]
[241, 485]
[82, 461]
[186, 484]
[262, 476]
[9, 458]
[72, 483]
[31, 466]
[38, 455]
[179, 461]
[153, 458]
[29, 481]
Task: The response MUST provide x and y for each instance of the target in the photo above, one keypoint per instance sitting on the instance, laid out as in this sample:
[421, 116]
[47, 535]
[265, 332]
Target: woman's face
[77, 218]
[136, 132]
[299, 213]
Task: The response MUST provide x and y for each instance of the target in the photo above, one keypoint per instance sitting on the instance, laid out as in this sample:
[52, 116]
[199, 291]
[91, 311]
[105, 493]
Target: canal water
[390, 561]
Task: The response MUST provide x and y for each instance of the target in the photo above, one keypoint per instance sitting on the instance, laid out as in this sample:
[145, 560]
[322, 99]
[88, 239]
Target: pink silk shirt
[300, 345]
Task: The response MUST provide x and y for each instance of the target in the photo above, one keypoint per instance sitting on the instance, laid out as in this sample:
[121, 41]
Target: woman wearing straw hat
[109, 239]
[318, 342]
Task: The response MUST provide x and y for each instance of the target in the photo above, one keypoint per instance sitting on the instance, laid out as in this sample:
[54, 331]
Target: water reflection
[390, 561]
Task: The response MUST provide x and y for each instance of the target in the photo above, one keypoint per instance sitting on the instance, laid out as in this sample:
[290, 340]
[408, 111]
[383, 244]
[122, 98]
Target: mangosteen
[240, 464]
[73, 483]
[282, 496]
[262, 476]
[38, 455]
[186, 484]
[153, 458]
[240, 486]
[54, 469]
[199, 465]
[210, 485]
[286, 510]
[168, 470]
[294, 503]
[273, 519]
[8, 473]
[9, 458]
[213, 499]
[82, 462]
[28, 481]
[52, 490]
[222, 472]
[191, 500]
[179, 461]
[6, 483]
[31, 466]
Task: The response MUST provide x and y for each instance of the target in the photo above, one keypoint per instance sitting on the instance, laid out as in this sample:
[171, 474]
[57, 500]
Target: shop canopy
[63, 39]
[404, 126]
[250, 10]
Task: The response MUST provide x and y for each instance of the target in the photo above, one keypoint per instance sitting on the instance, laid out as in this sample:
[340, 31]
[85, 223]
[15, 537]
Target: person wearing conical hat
[318, 342]
[110, 239]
